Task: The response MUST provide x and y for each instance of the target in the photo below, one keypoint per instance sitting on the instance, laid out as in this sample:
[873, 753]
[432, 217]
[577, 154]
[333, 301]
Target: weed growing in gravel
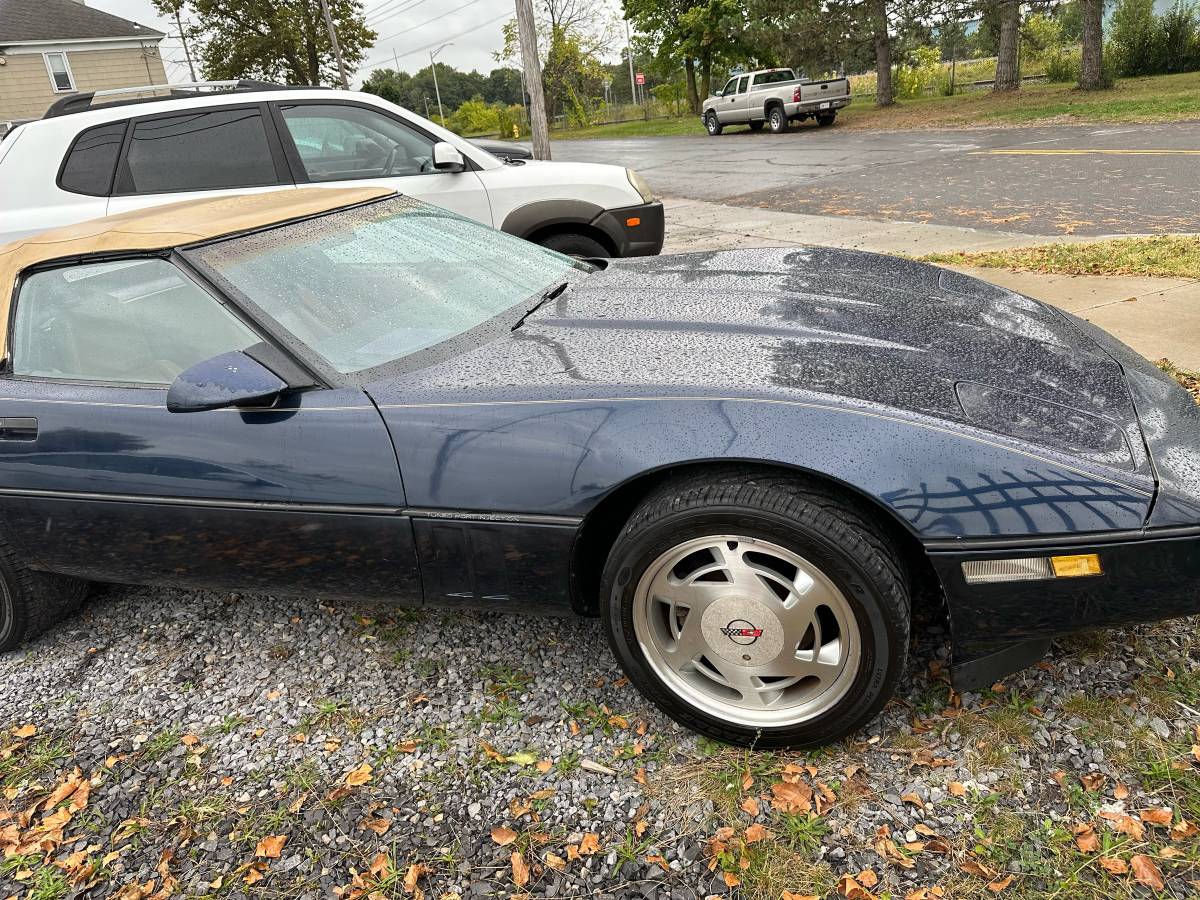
[802, 832]
[502, 710]
[48, 883]
[33, 761]
[505, 679]
[161, 744]
[227, 725]
[333, 715]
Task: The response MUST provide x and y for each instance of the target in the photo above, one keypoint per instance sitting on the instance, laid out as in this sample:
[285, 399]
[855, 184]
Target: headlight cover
[640, 185]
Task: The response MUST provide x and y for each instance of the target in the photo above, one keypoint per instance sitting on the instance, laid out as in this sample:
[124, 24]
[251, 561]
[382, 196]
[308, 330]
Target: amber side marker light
[1033, 568]
[633, 221]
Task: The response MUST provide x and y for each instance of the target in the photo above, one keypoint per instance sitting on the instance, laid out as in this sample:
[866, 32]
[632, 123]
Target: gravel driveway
[221, 745]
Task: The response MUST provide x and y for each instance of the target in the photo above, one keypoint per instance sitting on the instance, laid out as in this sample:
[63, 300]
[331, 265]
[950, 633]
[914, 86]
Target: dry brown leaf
[750, 806]
[849, 887]
[503, 836]
[543, 766]
[1183, 829]
[590, 844]
[358, 776]
[270, 847]
[1113, 865]
[640, 776]
[756, 833]
[1092, 781]
[913, 799]
[25, 731]
[957, 788]
[414, 874]
[189, 740]
[975, 867]
[1125, 825]
[1120, 791]
[997, 886]
[379, 826]
[1146, 872]
[929, 893]
[1085, 838]
[558, 864]
[659, 861]
[731, 880]
[520, 870]
[1156, 816]
[791, 797]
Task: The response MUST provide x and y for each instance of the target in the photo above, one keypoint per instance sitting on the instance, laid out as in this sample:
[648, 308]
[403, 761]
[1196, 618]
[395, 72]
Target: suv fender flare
[525, 220]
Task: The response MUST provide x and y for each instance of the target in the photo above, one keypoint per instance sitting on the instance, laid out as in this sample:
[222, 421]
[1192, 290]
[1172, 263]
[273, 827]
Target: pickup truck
[775, 97]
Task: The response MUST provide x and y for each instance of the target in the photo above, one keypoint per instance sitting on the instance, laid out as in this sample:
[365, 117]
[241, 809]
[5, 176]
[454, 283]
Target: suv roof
[83, 101]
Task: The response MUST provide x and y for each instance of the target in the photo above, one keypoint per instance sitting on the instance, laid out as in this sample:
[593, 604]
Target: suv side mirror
[231, 379]
[718, 93]
[446, 157]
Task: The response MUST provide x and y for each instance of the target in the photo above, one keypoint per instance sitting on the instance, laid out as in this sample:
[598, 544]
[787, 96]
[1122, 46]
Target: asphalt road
[1049, 180]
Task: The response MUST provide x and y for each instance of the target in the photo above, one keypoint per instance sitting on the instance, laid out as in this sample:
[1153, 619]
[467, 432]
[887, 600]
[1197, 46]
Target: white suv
[87, 159]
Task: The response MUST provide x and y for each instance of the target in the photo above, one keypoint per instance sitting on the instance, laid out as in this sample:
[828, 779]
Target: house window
[60, 72]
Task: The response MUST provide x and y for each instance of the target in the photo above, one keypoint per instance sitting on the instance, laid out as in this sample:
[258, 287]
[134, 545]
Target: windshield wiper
[547, 295]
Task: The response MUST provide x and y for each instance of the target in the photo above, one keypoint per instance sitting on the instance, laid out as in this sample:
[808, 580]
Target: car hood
[814, 324]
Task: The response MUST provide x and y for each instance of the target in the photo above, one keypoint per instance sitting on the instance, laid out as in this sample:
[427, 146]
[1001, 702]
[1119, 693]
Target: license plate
[824, 106]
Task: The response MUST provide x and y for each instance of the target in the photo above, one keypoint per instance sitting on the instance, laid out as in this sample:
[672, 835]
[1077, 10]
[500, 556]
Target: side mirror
[446, 157]
[718, 93]
[231, 379]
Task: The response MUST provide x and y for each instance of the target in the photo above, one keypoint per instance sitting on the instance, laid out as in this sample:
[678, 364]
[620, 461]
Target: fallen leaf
[589, 766]
[1183, 830]
[640, 776]
[1146, 872]
[850, 888]
[665, 866]
[957, 788]
[544, 766]
[731, 880]
[789, 797]
[270, 847]
[750, 806]
[520, 870]
[756, 833]
[590, 844]
[929, 893]
[189, 740]
[788, 895]
[558, 864]
[1092, 781]
[997, 886]
[414, 874]
[867, 878]
[1156, 816]
[503, 836]
[25, 731]
[975, 867]
[1113, 865]
[913, 799]
[1125, 825]
[358, 776]
[1085, 838]
[1120, 791]
[379, 826]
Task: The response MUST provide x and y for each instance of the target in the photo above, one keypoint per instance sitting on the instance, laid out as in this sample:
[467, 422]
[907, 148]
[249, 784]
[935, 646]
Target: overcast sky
[409, 28]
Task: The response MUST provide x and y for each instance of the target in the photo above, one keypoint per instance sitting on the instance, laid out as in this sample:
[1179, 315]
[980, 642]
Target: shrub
[921, 70]
[1137, 39]
[1061, 65]
[1179, 38]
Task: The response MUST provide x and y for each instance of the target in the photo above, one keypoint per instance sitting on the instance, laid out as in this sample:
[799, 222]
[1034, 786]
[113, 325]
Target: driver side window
[136, 321]
[337, 142]
[730, 87]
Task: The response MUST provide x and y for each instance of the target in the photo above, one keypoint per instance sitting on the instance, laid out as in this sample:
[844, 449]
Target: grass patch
[1165, 256]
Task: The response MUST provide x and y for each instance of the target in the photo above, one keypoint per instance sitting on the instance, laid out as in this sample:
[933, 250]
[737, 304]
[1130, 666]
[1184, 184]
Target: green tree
[274, 40]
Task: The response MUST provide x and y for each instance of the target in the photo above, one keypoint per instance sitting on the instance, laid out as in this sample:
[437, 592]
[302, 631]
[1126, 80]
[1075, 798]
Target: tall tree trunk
[1091, 76]
[883, 54]
[689, 69]
[705, 75]
[1007, 76]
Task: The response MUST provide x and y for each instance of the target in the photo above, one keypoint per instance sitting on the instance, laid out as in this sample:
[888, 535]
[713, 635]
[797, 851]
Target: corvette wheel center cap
[742, 630]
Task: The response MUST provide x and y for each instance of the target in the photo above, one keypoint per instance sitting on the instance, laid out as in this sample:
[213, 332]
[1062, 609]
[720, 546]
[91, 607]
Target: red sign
[641, 79]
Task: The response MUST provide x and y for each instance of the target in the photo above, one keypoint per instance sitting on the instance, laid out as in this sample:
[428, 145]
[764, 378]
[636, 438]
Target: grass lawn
[1171, 256]
[1162, 98]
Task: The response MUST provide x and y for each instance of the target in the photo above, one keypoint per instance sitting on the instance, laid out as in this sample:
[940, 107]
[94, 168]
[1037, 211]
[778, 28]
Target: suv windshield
[369, 285]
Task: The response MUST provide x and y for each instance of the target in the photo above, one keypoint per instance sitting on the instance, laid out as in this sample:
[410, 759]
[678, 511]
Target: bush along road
[173, 743]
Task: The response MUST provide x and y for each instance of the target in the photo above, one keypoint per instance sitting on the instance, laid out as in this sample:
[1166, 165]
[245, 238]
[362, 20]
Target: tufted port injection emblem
[742, 632]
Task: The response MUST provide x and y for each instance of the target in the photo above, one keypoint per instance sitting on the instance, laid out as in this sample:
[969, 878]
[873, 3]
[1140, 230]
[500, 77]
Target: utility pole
[433, 65]
[629, 56]
[337, 51]
[533, 79]
[187, 53]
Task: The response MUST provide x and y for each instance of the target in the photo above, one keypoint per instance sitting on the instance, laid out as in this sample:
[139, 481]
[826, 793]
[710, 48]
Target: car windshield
[367, 286]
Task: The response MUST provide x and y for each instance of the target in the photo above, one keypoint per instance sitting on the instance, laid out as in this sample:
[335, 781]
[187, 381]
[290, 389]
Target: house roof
[170, 225]
[23, 21]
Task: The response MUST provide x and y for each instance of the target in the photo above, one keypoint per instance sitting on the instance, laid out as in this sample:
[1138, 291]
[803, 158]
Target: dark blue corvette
[750, 463]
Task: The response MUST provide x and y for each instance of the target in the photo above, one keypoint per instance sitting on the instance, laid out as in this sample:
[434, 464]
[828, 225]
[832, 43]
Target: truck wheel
[713, 124]
[757, 125]
[30, 602]
[578, 245]
[824, 120]
[758, 609]
[778, 119]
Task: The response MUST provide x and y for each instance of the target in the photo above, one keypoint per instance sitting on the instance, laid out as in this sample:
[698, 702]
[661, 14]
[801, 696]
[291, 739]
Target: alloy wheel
[746, 630]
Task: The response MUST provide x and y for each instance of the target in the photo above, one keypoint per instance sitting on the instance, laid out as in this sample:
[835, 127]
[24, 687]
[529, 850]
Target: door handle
[18, 428]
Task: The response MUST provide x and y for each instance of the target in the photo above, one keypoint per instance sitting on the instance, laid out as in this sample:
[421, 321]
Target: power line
[377, 62]
[427, 21]
[391, 8]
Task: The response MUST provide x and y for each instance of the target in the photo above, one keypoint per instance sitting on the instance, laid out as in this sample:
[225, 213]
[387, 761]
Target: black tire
[835, 531]
[824, 120]
[574, 244]
[777, 119]
[757, 125]
[713, 124]
[30, 602]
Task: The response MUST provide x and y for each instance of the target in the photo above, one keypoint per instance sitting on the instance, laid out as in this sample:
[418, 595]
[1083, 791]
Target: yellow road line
[1084, 152]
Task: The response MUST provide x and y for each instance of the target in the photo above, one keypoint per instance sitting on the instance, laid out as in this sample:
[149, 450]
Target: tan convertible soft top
[172, 225]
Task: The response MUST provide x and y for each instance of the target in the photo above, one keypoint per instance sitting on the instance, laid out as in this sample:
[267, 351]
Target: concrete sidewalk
[1157, 317]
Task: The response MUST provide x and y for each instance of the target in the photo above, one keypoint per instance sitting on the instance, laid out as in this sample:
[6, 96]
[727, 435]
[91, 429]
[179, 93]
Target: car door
[726, 106]
[198, 152]
[337, 143]
[99, 480]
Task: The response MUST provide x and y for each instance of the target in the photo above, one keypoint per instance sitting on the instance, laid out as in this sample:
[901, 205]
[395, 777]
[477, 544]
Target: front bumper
[1001, 627]
[634, 230]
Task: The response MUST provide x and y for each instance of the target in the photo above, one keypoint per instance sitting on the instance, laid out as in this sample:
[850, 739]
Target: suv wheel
[578, 245]
[759, 610]
[712, 123]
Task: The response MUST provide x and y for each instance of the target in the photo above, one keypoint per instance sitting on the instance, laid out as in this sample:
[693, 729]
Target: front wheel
[713, 124]
[762, 611]
[578, 245]
[778, 120]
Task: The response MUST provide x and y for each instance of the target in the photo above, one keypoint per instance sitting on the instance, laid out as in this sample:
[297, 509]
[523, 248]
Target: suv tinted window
[139, 321]
[89, 166]
[196, 151]
[338, 142]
